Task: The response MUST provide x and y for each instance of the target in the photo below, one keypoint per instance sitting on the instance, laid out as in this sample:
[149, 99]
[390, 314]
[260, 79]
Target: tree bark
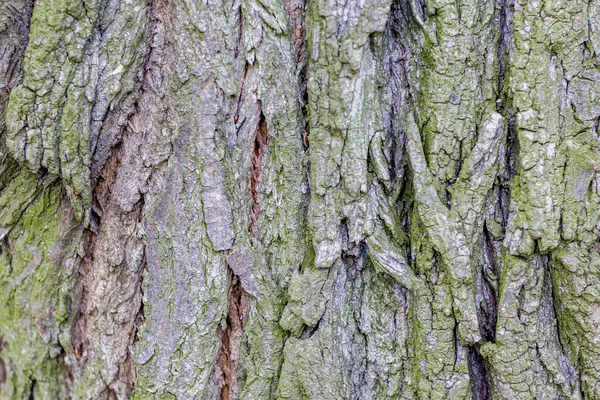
[322, 199]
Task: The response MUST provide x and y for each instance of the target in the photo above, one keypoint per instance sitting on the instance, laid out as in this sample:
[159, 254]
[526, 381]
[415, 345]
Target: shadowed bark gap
[480, 381]
[261, 143]
[309, 331]
[239, 44]
[247, 68]
[505, 14]
[489, 313]
[238, 306]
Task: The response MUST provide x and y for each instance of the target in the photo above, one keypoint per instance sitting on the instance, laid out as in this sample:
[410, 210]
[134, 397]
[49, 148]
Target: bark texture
[322, 199]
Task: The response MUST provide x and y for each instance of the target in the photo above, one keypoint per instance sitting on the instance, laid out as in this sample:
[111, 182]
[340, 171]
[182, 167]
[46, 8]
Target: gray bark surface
[299, 199]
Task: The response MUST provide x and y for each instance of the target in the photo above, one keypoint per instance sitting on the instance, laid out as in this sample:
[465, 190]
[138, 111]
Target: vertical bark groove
[480, 381]
[261, 144]
[229, 354]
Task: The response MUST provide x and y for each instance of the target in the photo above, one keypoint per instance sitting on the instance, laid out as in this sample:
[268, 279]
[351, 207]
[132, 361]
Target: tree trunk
[256, 199]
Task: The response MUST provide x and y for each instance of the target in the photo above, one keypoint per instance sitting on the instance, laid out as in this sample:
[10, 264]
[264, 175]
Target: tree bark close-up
[299, 199]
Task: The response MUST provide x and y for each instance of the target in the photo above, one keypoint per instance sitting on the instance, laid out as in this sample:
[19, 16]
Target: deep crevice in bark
[395, 60]
[504, 18]
[504, 102]
[32, 389]
[295, 10]
[238, 306]
[261, 143]
[480, 380]
[309, 331]
[239, 44]
[236, 117]
[512, 149]
[489, 314]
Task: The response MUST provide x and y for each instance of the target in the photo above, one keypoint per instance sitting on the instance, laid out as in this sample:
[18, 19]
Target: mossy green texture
[453, 78]
[48, 114]
[553, 203]
[38, 261]
[543, 59]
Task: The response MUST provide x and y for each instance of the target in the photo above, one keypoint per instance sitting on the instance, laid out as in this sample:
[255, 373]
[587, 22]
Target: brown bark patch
[295, 10]
[238, 307]
[102, 194]
[261, 142]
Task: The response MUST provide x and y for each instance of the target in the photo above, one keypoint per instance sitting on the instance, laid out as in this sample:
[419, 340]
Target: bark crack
[480, 380]
[261, 143]
[238, 307]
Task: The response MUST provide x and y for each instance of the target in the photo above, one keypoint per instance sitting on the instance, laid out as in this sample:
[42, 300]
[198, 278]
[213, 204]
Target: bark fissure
[238, 307]
[13, 51]
[488, 276]
[504, 8]
[480, 380]
[247, 69]
[261, 143]
[239, 44]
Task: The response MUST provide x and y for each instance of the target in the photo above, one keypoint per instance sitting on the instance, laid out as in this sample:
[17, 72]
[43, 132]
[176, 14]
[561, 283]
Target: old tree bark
[375, 199]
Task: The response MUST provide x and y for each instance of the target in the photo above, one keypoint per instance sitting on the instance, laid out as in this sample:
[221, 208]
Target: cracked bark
[289, 199]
